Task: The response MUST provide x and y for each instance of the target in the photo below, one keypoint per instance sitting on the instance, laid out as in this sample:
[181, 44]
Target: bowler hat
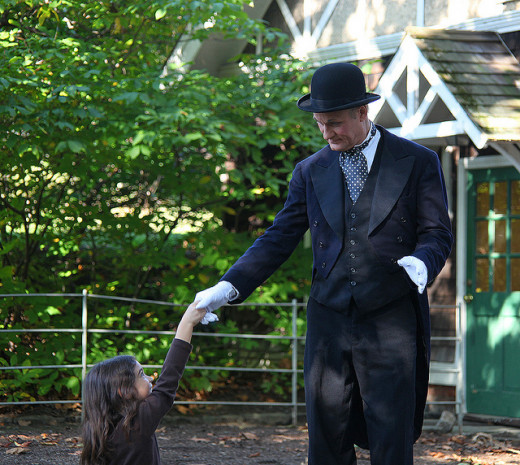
[336, 86]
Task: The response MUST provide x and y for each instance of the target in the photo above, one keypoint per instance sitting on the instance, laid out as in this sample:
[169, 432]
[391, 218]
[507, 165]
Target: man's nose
[327, 132]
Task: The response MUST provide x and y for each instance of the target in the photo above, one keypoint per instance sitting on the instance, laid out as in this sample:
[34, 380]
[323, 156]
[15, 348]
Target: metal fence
[439, 370]
[294, 371]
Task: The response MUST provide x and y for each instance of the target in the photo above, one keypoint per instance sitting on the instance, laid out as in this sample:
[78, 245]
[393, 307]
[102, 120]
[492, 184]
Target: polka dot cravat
[354, 166]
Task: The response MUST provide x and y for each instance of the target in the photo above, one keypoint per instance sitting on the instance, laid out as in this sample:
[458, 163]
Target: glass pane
[483, 199]
[500, 237]
[515, 236]
[482, 284]
[515, 197]
[515, 274]
[499, 275]
[482, 239]
[500, 206]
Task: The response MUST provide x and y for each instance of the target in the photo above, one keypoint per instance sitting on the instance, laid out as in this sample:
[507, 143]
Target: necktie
[354, 166]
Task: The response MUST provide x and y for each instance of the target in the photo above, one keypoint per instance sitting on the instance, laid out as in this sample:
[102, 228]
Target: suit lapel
[328, 181]
[394, 171]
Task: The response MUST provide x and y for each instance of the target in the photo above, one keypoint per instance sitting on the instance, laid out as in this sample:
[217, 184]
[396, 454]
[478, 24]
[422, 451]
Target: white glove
[417, 271]
[213, 298]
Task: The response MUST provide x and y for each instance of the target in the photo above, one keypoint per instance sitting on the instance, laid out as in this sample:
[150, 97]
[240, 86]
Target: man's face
[344, 128]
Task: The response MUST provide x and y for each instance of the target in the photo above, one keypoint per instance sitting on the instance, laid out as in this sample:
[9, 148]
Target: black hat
[336, 86]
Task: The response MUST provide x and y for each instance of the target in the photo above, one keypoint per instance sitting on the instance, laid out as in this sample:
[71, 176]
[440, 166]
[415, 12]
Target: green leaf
[160, 13]
[133, 152]
[192, 137]
[75, 146]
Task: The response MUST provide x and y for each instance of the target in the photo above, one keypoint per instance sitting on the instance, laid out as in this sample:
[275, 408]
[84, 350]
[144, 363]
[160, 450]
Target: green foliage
[125, 175]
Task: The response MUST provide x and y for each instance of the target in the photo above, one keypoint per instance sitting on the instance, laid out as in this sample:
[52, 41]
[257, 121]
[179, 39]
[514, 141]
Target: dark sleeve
[276, 245]
[434, 236]
[160, 401]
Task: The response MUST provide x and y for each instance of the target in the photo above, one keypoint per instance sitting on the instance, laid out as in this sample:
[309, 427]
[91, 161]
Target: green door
[493, 293]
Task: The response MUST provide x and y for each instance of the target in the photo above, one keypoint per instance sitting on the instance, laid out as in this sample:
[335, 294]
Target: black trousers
[360, 383]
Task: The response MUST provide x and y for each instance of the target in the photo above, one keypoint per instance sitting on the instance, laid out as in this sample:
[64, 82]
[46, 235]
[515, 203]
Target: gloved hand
[213, 298]
[417, 271]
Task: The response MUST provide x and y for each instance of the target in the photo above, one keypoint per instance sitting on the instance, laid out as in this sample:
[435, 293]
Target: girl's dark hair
[109, 397]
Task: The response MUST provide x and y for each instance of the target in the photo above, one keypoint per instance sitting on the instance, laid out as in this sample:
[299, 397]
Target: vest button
[402, 219]
[352, 242]
[321, 244]
[315, 223]
[353, 228]
[323, 265]
[353, 270]
[393, 260]
[399, 239]
[352, 215]
[352, 255]
[353, 283]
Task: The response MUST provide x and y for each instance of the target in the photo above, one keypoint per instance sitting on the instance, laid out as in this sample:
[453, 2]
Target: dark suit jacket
[409, 216]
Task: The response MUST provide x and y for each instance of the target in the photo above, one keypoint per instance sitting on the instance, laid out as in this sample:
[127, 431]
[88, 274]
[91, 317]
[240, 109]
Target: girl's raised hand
[192, 316]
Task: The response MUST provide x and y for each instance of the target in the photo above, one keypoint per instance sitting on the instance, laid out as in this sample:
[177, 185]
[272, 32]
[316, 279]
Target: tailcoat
[408, 216]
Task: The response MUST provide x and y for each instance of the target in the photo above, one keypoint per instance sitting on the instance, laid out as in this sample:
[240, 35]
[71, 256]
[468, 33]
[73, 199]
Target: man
[376, 207]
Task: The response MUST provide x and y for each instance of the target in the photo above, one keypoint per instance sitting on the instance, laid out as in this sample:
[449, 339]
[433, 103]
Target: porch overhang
[446, 87]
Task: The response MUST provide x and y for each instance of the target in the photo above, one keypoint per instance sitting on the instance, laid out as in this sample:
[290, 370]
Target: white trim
[306, 41]
[484, 162]
[419, 19]
[461, 267]
[508, 150]
[324, 20]
[505, 22]
[413, 65]
[366, 49]
[289, 19]
[307, 16]
[473, 131]
[429, 131]
[425, 107]
[411, 118]
[444, 373]
[384, 45]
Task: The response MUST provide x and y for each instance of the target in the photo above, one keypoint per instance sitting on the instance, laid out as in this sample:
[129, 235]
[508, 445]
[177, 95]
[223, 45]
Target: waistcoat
[358, 273]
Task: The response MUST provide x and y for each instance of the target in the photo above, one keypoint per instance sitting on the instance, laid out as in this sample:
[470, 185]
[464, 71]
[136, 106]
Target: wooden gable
[446, 85]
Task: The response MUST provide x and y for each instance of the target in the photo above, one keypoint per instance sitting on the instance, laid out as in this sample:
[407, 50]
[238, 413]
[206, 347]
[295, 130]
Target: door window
[497, 236]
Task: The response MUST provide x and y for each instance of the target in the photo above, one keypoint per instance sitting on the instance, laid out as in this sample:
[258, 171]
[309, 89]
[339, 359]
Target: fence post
[84, 320]
[294, 363]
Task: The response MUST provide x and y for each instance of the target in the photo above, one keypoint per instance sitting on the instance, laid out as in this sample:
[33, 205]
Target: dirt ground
[41, 440]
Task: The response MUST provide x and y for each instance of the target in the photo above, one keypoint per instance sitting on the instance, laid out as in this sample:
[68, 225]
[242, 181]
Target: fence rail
[438, 368]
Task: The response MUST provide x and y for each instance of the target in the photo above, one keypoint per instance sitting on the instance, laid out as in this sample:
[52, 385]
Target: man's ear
[363, 113]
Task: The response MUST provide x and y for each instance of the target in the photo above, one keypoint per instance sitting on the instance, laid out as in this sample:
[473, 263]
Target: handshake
[213, 298]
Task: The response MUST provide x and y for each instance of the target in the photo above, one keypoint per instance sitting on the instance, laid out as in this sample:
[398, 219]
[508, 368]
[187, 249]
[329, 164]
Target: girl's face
[143, 383]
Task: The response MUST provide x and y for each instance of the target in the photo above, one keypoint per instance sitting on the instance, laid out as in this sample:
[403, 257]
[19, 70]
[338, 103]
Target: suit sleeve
[276, 245]
[434, 237]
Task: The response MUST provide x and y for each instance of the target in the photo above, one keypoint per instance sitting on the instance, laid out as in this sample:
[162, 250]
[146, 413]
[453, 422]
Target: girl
[122, 412]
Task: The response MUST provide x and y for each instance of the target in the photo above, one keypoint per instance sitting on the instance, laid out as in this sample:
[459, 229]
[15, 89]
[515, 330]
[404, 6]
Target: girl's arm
[157, 404]
[189, 320]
